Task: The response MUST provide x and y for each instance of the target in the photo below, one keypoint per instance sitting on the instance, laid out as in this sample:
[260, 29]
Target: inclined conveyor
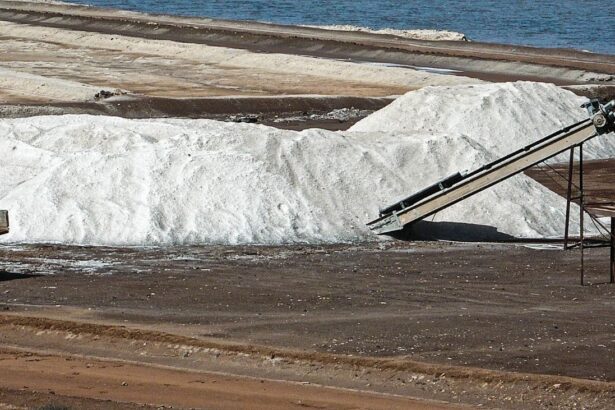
[460, 186]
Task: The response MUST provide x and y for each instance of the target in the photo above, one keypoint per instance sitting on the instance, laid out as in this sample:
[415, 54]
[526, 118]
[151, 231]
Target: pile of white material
[416, 34]
[493, 120]
[501, 117]
[103, 180]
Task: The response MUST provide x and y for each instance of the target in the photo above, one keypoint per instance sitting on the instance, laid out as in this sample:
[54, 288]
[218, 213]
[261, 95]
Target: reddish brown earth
[78, 382]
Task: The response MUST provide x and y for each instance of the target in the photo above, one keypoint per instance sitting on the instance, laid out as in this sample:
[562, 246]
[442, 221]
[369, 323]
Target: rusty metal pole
[612, 250]
[568, 198]
[581, 221]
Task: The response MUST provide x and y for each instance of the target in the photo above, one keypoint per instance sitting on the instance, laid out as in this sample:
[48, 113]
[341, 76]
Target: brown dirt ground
[296, 113]
[506, 307]
[448, 304]
[87, 383]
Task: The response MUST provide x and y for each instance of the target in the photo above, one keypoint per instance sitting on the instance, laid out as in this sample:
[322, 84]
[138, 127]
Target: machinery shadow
[7, 276]
[451, 231]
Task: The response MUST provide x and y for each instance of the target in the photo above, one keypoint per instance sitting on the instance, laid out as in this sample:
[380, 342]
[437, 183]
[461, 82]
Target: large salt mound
[500, 117]
[495, 119]
[105, 180]
[101, 180]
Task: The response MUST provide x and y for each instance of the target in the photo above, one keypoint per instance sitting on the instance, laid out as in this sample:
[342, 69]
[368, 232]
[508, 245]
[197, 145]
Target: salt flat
[141, 66]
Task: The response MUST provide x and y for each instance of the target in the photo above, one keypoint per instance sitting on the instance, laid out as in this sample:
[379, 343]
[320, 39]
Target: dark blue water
[584, 25]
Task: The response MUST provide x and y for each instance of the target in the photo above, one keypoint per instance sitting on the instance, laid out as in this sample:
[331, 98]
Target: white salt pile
[97, 180]
[103, 180]
[415, 34]
[494, 120]
[502, 117]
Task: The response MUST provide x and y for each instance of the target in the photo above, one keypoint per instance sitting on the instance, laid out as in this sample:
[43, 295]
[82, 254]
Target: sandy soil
[66, 54]
[250, 35]
[89, 381]
[111, 54]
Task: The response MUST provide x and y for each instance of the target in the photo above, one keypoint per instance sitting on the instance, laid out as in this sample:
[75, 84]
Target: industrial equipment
[460, 186]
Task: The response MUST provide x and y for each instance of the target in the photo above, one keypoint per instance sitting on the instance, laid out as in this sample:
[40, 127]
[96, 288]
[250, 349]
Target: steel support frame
[569, 199]
[580, 196]
[612, 255]
[581, 216]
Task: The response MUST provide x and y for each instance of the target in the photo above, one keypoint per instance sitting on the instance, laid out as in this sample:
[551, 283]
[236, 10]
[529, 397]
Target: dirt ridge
[396, 364]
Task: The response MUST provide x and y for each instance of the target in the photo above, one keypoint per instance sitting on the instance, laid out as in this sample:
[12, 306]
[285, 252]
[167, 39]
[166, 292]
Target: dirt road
[72, 379]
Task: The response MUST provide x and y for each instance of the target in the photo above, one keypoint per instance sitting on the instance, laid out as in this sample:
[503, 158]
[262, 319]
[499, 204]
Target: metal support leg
[612, 242]
[581, 221]
[568, 198]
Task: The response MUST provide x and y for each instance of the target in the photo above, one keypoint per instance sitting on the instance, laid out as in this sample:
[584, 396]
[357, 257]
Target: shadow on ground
[451, 231]
[6, 276]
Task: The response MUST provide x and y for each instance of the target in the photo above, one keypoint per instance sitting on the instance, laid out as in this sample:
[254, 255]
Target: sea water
[584, 25]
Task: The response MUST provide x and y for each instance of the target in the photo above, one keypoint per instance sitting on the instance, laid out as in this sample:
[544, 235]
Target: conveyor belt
[444, 194]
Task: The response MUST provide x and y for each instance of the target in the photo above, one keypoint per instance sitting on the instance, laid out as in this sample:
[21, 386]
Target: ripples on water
[585, 25]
